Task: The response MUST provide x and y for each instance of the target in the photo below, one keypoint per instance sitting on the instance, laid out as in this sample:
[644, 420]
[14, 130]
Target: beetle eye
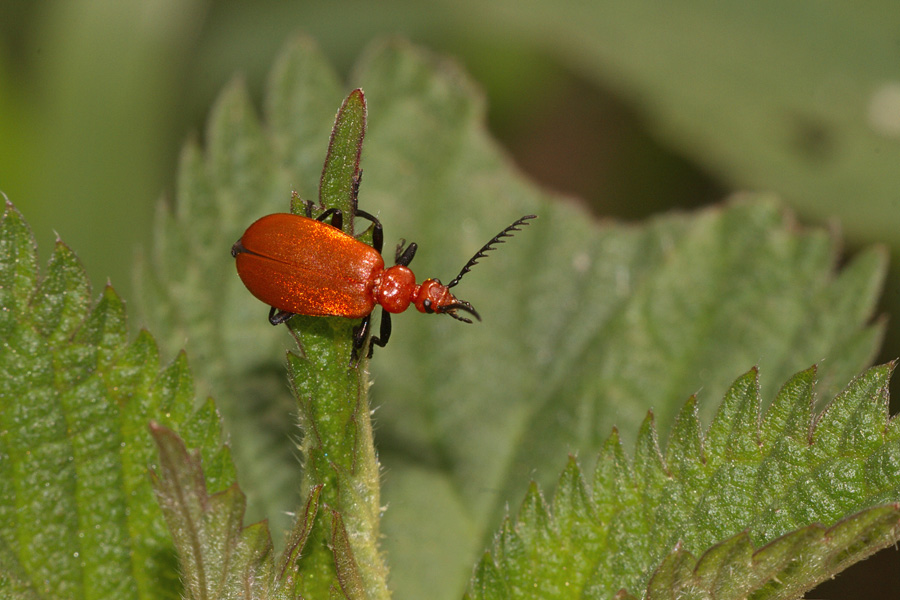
[427, 305]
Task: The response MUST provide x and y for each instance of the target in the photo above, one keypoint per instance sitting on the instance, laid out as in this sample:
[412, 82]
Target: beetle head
[435, 297]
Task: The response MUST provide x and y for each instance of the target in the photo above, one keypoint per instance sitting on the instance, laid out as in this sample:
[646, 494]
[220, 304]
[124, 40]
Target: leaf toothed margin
[749, 498]
[76, 506]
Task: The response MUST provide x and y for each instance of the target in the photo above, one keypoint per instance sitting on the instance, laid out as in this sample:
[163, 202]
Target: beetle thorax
[395, 289]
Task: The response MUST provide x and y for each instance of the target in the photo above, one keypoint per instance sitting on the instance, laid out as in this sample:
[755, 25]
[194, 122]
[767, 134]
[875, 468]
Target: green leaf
[341, 173]
[77, 513]
[331, 391]
[797, 99]
[187, 287]
[219, 558]
[770, 506]
[76, 504]
[328, 340]
[332, 402]
[816, 127]
[296, 543]
[585, 325]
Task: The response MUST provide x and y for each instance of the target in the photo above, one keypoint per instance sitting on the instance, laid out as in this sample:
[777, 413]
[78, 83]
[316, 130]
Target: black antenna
[497, 239]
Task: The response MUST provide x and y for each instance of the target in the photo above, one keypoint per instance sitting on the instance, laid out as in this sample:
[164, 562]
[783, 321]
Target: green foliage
[187, 287]
[747, 498]
[585, 327]
[337, 450]
[341, 174]
[220, 558]
[77, 515]
[795, 98]
[798, 98]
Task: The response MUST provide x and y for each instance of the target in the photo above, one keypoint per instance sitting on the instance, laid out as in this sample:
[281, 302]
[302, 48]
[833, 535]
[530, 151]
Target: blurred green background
[633, 107]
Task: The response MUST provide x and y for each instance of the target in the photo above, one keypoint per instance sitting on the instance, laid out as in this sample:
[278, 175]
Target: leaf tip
[357, 95]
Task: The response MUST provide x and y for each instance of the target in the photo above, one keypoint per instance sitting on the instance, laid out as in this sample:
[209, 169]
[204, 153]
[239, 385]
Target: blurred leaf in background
[92, 97]
[634, 106]
[798, 98]
[586, 326]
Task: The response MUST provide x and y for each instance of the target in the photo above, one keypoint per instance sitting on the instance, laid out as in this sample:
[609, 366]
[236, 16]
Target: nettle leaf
[330, 386]
[811, 148]
[586, 325]
[220, 558]
[77, 513]
[755, 508]
[187, 286]
[79, 403]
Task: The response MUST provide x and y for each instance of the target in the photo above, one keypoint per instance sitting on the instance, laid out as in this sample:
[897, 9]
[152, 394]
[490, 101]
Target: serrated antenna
[497, 239]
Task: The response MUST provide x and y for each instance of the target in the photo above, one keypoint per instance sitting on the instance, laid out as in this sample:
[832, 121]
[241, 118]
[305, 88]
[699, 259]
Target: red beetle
[304, 266]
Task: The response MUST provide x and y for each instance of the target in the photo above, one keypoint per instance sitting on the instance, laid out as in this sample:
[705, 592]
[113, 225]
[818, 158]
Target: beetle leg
[405, 256]
[359, 335]
[354, 189]
[377, 230]
[277, 317]
[337, 217]
[384, 333]
[307, 204]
